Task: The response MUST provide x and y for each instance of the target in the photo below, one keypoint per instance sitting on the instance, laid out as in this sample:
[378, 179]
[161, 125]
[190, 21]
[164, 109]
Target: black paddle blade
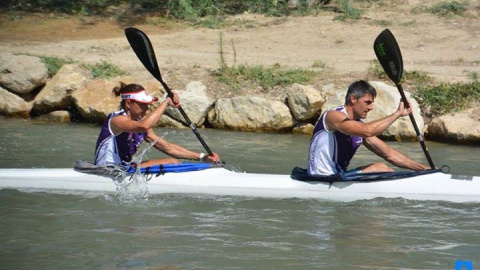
[388, 53]
[143, 48]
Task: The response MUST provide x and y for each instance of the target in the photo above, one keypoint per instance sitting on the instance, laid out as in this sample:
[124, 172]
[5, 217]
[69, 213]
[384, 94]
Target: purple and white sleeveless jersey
[331, 152]
[117, 149]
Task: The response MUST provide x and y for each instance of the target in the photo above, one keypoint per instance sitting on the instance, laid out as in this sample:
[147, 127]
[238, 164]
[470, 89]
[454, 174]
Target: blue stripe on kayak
[172, 168]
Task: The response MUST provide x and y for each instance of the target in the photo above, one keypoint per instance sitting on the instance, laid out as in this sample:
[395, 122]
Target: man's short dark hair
[358, 89]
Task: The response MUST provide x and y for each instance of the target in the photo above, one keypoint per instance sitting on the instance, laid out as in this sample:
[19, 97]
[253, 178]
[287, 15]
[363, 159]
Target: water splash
[134, 187]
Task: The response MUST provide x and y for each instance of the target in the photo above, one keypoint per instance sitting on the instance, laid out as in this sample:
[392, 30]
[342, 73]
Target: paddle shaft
[185, 116]
[414, 123]
[143, 48]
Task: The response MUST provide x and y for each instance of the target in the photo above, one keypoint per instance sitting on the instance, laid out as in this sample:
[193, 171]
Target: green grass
[417, 77]
[436, 99]
[472, 75]
[348, 11]
[447, 97]
[445, 9]
[54, 64]
[198, 12]
[319, 64]
[104, 70]
[449, 8]
[265, 77]
[412, 77]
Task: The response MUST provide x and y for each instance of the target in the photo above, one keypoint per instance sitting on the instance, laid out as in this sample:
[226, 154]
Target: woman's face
[137, 109]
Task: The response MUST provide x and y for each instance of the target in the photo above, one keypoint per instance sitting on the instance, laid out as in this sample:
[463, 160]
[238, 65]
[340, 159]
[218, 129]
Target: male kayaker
[125, 130]
[340, 131]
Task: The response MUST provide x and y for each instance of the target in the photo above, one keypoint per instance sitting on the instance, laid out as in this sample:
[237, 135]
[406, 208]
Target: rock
[13, 105]
[168, 122]
[22, 74]
[251, 114]
[95, 99]
[195, 103]
[386, 103]
[304, 129]
[57, 93]
[305, 102]
[333, 97]
[55, 117]
[462, 127]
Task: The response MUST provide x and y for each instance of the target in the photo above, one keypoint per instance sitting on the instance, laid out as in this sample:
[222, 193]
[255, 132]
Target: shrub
[448, 97]
[104, 70]
[54, 64]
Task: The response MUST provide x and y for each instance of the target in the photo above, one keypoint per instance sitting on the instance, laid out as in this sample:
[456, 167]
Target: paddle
[143, 48]
[389, 55]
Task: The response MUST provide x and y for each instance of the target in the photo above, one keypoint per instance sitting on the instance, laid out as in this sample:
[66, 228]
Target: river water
[172, 231]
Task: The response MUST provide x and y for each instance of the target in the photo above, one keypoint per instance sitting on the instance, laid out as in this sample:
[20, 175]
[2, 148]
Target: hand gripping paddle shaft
[143, 48]
[389, 55]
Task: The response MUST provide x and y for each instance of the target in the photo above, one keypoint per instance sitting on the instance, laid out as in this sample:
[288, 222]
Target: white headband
[140, 96]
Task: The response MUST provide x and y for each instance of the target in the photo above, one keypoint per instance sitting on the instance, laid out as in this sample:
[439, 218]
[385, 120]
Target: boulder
[194, 102]
[55, 117]
[462, 127]
[22, 74]
[95, 99]
[57, 93]
[333, 97]
[386, 103]
[168, 122]
[253, 114]
[305, 102]
[12, 105]
[304, 129]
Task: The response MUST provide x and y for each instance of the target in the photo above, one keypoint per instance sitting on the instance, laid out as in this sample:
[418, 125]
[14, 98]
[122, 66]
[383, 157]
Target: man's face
[362, 106]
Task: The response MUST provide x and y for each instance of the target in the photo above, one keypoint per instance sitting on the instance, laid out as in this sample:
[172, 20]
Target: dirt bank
[444, 48]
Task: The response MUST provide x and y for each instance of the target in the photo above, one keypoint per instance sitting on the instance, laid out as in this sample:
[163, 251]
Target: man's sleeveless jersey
[331, 152]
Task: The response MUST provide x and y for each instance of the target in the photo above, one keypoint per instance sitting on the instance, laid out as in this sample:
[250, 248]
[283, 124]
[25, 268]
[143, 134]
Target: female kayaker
[124, 131]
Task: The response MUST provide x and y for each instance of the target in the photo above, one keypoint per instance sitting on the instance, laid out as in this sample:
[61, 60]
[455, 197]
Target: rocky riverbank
[446, 48]
[72, 93]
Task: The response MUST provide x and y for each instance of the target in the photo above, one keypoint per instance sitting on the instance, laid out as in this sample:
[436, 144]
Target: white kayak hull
[220, 181]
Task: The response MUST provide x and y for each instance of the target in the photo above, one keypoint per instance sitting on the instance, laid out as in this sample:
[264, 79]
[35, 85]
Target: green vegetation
[348, 11]
[104, 70]
[415, 77]
[198, 12]
[445, 9]
[266, 77]
[448, 97]
[376, 70]
[436, 99]
[473, 75]
[318, 64]
[54, 64]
